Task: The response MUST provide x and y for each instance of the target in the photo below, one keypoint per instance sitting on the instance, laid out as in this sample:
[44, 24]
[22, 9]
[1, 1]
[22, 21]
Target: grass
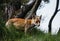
[34, 35]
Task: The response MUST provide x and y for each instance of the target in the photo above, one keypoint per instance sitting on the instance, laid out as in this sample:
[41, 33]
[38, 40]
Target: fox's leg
[25, 29]
[8, 23]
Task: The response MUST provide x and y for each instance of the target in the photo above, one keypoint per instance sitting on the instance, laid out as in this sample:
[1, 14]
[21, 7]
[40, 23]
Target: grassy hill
[34, 35]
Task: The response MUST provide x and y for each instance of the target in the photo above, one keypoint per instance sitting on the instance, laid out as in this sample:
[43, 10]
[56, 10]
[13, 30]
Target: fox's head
[36, 20]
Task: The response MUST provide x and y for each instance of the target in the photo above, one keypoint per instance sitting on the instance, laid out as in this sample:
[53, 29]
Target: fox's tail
[8, 23]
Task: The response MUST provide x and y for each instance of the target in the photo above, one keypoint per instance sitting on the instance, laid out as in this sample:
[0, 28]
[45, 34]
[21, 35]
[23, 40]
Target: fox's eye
[38, 21]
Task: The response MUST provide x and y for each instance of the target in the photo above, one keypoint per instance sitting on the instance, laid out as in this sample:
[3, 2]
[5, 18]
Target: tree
[33, 10]
[25, 8]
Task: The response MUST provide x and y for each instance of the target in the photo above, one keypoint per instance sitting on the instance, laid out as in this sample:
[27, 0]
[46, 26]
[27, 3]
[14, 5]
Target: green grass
[33, 35]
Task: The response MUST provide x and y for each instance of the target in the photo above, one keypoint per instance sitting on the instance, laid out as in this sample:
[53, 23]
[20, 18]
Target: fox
[23, 24]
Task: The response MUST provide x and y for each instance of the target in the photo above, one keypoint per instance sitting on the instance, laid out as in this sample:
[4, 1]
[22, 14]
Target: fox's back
[20, 22]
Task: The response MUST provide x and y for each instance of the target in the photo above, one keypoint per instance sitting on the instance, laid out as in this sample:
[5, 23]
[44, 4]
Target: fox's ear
[40, 16]
[33, 16]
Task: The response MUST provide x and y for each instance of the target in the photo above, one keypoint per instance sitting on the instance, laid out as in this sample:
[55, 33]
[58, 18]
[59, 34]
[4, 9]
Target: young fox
[23, 24]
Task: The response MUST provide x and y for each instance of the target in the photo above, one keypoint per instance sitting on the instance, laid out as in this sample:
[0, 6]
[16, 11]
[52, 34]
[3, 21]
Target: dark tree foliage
[1, 1]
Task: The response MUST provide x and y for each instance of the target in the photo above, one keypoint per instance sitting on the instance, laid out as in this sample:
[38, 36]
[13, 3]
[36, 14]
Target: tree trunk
[33, 10]
[25, 8]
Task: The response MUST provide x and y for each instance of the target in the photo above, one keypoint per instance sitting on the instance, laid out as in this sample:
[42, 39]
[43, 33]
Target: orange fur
[23, 24]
